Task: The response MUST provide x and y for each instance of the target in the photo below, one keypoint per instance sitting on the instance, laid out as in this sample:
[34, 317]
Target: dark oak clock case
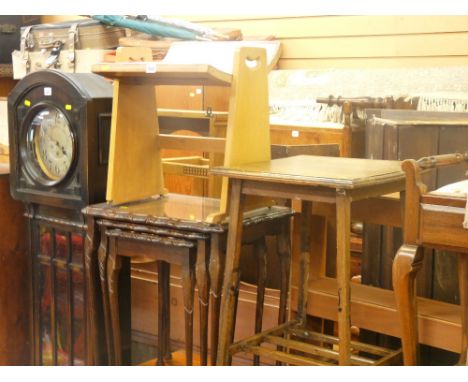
[56, 226]
[86, 100]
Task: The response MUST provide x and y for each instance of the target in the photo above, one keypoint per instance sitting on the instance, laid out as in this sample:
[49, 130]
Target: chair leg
[188, 286]
[260, 251]
[203, 297]
[463, 286]
[407, 263]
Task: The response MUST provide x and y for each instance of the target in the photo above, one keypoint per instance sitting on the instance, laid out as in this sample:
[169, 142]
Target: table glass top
[175, 207]
[178, 211]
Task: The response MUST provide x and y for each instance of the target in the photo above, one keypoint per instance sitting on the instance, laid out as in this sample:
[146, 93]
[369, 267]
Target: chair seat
[457, 189]
[454, 189]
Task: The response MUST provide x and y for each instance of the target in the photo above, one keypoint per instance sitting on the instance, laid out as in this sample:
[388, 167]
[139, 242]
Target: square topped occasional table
[337, 181]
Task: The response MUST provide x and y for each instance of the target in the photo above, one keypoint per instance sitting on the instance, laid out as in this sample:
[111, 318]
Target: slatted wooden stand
[334, 181]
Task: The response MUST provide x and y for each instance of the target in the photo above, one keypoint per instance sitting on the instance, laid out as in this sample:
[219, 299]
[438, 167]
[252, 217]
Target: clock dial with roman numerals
[51, 139]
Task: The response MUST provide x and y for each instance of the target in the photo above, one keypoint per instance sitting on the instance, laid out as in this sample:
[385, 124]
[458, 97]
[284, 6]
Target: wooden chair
[434, 220]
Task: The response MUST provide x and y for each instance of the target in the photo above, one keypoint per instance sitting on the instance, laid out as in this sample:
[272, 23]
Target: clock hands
[61, 148]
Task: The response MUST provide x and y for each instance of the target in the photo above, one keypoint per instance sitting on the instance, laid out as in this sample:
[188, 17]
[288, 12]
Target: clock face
[50, 143]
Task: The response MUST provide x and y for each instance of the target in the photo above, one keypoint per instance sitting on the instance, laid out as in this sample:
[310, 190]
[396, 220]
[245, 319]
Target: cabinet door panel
[180, 97]
[216, 98]
[452, 139]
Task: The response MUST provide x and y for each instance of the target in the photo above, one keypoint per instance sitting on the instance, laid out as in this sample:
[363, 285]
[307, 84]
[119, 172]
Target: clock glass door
[60, 296]
[50, 146]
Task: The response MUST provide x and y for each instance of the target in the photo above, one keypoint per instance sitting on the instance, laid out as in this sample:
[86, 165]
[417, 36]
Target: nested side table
[170, 229]
[338, 181]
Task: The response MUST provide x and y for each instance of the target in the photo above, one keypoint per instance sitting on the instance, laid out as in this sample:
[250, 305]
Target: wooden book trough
[135, 163]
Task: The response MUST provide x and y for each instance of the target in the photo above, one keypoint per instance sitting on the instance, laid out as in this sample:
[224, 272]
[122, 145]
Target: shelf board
[164, 74]
[374, 309]
[296, 345]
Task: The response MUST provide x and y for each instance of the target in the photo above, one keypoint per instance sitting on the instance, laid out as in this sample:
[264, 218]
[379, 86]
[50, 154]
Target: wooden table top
[331, 172]
[178, 211]
[159, 73]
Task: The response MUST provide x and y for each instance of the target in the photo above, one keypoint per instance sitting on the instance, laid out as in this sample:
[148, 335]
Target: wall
[352, 41]
[358, 41]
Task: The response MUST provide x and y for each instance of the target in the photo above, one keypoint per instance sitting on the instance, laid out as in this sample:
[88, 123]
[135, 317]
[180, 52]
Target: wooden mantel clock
[59, 128]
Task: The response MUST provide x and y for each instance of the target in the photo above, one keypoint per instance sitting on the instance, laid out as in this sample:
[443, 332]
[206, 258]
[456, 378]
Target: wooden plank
[328, 172]
[372, 62]
[218, 54]
[291, 359]
[186, 142]
[199, 114]
[439, 322]
[133, 137]
[442, 227]
[326, 26]
[248, 129]
[258, 337]
[452, 44]
[307, 334]
[187, 97]
[157, 73]
[391, 359]
[314, 350]
[239, 17]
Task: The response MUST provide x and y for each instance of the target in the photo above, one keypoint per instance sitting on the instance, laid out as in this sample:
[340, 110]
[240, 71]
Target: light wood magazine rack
[135, 164]
[196, 166]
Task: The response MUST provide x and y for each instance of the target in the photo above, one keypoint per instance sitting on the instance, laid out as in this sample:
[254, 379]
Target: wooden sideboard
[407, 134]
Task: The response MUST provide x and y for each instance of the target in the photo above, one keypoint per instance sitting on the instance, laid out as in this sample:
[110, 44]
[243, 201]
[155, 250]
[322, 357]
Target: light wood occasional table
[331, 180]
